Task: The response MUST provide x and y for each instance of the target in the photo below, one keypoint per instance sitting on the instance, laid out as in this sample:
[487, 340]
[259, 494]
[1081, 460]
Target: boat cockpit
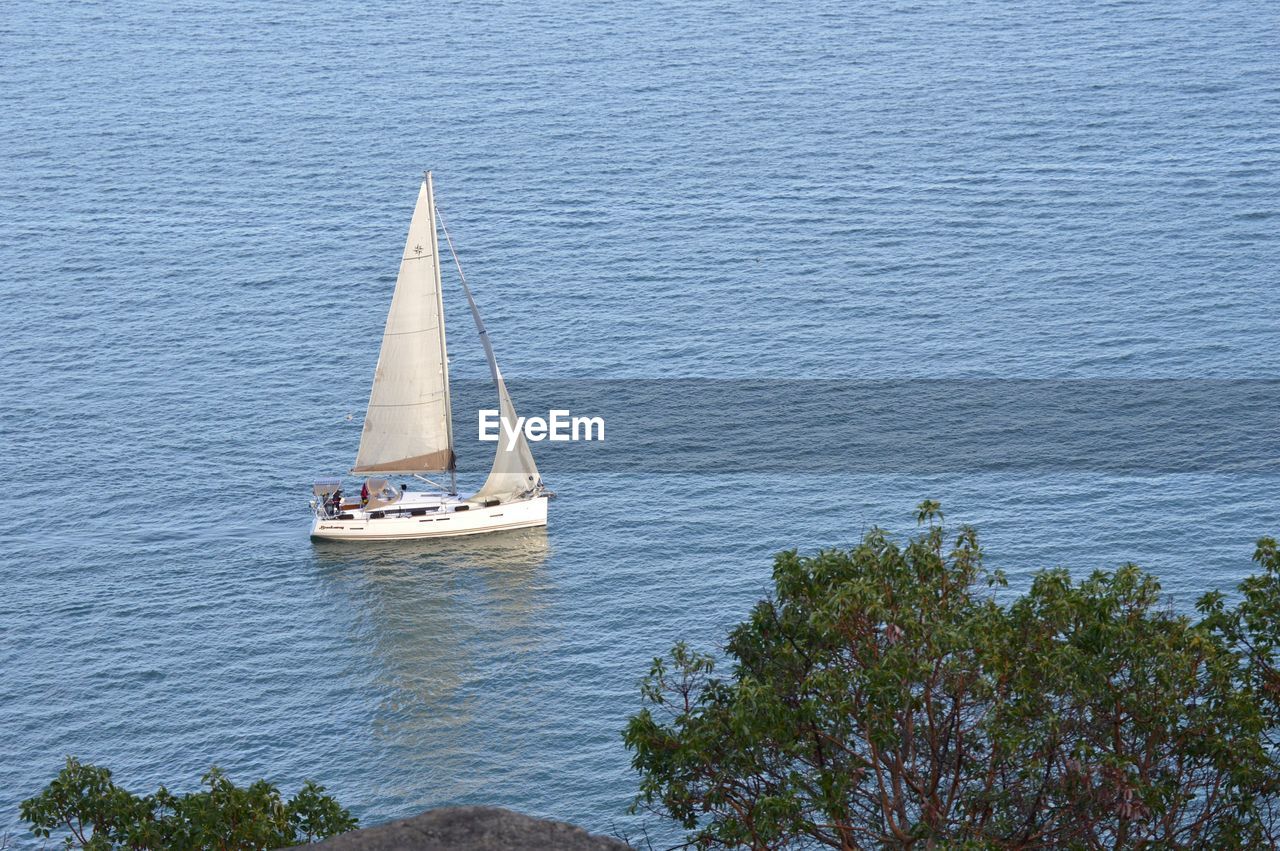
[380, 499]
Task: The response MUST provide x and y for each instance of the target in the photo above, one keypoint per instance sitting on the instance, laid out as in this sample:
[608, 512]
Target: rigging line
[481, 331]
[430, 482]
[444, 227]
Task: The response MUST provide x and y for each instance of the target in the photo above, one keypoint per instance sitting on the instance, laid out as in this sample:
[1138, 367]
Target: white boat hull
[444, 521]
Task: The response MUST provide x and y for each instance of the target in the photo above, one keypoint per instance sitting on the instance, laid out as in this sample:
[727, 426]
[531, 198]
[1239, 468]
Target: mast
[444, 351]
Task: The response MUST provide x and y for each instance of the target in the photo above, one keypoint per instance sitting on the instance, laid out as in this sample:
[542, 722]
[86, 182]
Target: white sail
[408, 427]
[514, 474]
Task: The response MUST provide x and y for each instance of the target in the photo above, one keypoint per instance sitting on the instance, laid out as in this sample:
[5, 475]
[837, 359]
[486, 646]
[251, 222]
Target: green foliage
[883, 697]
[96, 814]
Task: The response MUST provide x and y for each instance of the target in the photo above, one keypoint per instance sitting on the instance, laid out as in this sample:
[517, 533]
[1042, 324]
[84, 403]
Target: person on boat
[364, 494]
[335, 501]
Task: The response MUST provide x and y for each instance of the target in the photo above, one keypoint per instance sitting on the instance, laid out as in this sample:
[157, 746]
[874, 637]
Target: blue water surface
[201, 209]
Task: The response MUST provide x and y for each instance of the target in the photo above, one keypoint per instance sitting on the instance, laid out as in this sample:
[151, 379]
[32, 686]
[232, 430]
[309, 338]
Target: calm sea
[201, 209]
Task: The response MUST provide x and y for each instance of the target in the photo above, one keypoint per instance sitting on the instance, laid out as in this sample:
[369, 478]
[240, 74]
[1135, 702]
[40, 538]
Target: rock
[470, 829]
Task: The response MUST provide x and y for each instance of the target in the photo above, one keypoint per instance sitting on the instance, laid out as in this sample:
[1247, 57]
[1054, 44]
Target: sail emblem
[417, 249]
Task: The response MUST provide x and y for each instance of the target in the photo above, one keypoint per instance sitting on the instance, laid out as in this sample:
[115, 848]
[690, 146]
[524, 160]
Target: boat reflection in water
[441, 621]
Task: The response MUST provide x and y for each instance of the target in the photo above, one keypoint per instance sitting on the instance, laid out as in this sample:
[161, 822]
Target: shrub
[92, 812]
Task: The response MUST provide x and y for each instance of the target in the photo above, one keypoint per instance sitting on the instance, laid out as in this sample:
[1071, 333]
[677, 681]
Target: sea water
[201, 209]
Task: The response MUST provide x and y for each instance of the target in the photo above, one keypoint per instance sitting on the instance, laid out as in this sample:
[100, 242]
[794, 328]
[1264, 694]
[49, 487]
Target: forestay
[514, 474]
[408, 426]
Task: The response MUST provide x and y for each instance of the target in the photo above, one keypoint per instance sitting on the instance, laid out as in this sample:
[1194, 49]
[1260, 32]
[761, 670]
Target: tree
[883, 696]
[96, 814]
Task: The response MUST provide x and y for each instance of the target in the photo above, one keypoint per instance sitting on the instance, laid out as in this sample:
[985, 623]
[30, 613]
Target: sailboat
[408, 428]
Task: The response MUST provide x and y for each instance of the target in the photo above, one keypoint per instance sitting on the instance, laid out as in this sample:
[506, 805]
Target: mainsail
[408, 427]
